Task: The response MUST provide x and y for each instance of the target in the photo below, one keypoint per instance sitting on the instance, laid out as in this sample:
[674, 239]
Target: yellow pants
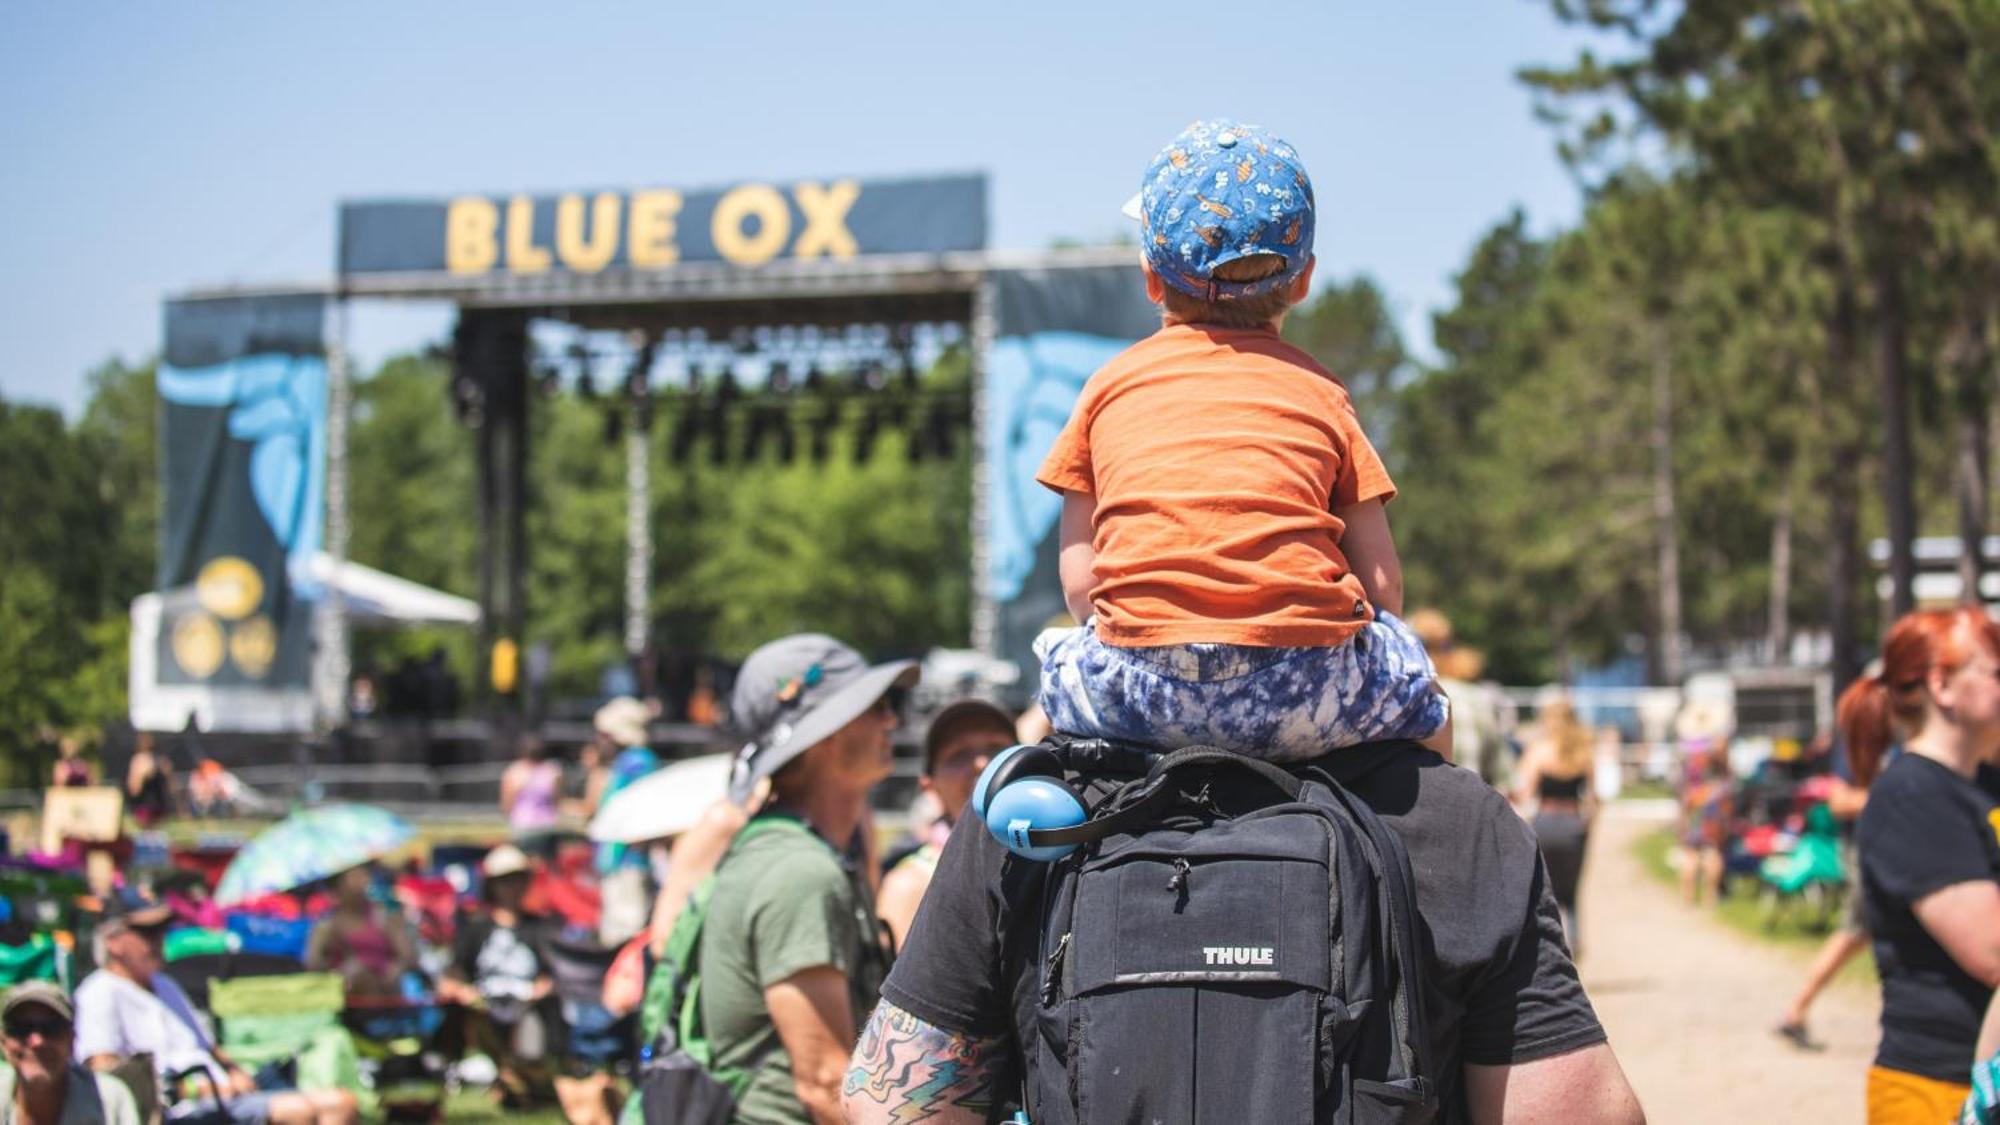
[1897, 1097]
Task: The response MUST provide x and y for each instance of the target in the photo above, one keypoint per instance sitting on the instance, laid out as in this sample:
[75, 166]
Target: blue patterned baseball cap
[1218, 192]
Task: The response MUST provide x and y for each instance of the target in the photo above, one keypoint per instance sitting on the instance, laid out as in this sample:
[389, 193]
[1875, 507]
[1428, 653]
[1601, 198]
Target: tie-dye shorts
[1279, 704]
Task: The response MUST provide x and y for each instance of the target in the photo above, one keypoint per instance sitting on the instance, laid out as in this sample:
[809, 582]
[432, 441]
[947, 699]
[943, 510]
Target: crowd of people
[1262, 848]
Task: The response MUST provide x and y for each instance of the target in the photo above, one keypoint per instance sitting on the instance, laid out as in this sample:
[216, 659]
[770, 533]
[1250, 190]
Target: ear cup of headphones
[1028, 803]
[1014, 762]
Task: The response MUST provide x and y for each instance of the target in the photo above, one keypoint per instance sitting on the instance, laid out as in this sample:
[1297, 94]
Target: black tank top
[1559, 788]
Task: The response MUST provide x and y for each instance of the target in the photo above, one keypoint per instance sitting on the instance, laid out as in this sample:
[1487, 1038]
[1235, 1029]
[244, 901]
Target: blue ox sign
[745, 225]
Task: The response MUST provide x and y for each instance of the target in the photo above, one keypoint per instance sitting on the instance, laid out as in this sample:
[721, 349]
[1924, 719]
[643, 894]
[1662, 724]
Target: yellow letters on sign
[595, 253]
[650, 233]
[470, 223]
[752, 224]
[523, 256]
[825, 209]
[774, 225]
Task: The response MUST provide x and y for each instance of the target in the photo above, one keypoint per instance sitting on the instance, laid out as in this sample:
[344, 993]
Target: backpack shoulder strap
[1398, 898]
[1141, 801]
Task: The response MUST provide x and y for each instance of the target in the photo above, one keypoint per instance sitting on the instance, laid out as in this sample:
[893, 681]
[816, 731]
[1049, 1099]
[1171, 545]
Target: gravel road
[1690, 1003]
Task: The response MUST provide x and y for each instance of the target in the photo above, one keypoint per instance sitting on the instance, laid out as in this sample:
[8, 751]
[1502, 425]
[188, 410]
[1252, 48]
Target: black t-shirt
[503, 963]
[1925, 828]
[1504, 989]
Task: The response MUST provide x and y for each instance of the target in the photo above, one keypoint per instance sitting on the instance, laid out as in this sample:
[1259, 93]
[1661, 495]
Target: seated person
[961, 739]
[370, 948]
[42, 1085]
[211, 790]
[130, 1007]
[499, 975]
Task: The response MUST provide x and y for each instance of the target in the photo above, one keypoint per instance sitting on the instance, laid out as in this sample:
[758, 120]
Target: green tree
[1867, 119]
[1458, 553]
[1350, 329]
[411, 502]
[69, 566]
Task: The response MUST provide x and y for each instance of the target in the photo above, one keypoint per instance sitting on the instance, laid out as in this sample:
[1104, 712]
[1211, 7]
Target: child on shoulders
[1223, 534]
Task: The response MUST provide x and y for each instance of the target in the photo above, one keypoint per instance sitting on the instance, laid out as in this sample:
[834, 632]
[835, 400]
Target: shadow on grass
[1740, 910]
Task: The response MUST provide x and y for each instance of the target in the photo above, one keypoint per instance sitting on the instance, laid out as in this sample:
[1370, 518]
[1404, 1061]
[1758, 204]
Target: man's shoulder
[103, 985]
[1444, 813]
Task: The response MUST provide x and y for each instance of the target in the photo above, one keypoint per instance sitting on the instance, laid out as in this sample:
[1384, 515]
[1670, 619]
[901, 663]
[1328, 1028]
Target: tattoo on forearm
[913, 1071]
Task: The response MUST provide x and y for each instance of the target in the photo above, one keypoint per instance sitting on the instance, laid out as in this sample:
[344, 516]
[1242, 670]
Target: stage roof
[714, 296]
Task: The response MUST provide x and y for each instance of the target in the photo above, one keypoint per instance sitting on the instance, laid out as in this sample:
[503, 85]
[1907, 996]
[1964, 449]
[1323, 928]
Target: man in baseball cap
[961, 740]
[129, 1006]
[790, 949]
[41, 1083]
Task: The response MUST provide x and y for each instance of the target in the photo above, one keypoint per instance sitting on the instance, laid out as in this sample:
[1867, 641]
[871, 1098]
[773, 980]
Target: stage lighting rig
[639, 383]
[726, 395]
[865, 435]
[819, 430]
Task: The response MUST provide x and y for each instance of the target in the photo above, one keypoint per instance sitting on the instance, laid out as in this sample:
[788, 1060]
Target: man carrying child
[1224, 543]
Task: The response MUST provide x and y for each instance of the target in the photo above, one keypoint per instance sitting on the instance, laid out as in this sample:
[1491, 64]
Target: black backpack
[1234, 942]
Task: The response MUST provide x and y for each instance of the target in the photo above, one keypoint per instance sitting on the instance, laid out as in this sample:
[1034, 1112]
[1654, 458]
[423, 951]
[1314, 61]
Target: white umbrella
[665, 802]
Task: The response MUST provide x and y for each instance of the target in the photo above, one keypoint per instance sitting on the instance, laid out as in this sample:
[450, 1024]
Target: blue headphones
[1022, 799]
[1026, 804]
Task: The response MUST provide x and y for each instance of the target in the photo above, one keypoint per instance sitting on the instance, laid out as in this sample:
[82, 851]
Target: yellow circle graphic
[197, 645]
[253, 645]
[229, 587]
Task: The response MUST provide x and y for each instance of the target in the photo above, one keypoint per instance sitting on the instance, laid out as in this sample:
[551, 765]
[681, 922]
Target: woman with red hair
[1930, 852]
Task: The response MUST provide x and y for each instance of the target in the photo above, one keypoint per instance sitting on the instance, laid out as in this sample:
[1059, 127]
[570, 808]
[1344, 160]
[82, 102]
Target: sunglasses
[21, 1027]
[891, 702]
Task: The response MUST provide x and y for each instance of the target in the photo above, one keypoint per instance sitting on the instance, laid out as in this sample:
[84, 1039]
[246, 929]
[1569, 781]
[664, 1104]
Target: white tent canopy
[375, 597]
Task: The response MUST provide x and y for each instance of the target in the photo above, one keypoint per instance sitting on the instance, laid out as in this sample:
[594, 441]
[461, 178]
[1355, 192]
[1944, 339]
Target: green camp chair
[266, 1019]
[1810, 874]
[39, 959]
[195, 942]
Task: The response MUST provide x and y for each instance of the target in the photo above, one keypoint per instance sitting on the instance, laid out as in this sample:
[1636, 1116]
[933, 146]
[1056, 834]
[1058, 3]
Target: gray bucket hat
[796, 691]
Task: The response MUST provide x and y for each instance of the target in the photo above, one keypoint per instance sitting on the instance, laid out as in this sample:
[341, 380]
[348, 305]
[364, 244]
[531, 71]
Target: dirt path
[1690, 1003]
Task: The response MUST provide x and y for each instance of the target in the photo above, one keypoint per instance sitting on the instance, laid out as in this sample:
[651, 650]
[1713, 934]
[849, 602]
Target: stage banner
[1053, 328]
[243, 403]
[749, 224]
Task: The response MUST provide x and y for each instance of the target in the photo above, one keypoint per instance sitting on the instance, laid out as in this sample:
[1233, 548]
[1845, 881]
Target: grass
[1740, 910]
[184, 832]
[475, 1105]
[1646, 789]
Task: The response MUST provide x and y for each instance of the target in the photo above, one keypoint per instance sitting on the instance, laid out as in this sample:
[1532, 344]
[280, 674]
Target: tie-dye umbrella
[311, 845]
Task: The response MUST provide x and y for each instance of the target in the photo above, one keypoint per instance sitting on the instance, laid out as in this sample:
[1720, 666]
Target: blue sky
[154, 147]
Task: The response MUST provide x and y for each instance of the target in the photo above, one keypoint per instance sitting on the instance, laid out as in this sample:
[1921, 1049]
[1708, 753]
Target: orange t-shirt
[1217, 458]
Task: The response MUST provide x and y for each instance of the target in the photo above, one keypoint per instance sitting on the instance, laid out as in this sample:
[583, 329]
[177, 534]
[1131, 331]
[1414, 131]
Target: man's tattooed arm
[905, 1070]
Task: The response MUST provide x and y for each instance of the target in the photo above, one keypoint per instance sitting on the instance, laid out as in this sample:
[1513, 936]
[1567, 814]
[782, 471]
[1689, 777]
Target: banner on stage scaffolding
[243, 411]
[1053, 328]
[659, 228]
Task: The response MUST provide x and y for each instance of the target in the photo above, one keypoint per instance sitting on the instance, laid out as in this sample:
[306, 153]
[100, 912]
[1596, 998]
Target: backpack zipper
[1054, 977]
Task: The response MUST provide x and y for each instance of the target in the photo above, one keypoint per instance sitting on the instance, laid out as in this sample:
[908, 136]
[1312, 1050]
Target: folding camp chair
[293, 1019]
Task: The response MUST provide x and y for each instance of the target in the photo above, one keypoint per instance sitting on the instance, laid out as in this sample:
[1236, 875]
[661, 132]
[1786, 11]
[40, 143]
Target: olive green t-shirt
[783, 902]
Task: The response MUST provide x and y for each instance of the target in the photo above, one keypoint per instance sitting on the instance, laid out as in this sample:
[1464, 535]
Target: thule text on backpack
[1236, 954]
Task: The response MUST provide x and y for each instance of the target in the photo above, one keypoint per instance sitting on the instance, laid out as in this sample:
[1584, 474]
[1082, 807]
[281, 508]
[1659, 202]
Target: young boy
[1223, 537]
